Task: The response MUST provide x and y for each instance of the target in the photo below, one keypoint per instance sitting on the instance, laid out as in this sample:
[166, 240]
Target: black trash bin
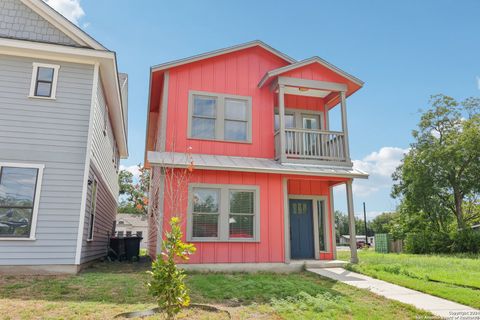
[117, 246]
[132, 247]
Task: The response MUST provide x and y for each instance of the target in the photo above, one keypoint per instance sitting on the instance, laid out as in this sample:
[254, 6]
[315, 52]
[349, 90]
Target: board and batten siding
[53, 133]
[105, 213]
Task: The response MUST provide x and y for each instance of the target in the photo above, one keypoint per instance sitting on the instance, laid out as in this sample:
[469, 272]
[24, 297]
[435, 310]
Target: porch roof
[246, 164]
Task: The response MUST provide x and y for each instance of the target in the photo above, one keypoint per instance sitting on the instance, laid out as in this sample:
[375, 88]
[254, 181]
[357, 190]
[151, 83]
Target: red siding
[234, 73]
[271, 245]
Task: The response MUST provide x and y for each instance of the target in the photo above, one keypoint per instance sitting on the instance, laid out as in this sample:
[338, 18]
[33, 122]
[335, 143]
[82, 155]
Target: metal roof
[246, 164]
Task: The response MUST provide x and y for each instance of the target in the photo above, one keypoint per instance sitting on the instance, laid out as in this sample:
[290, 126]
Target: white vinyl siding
[221, 117]
[223, 213]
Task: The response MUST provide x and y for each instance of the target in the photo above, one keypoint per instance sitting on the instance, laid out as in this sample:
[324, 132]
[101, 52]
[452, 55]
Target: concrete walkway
[438, 306]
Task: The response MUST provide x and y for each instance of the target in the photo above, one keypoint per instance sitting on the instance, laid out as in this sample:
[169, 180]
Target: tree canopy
[133, 192]
[438, 180]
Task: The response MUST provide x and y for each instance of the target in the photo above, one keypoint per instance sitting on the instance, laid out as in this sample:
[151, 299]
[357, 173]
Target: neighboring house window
[44, 80]
[129, 233]
[120, 234]
[93, 207]
[223, 117]
[19, 197]
[223, 213]
[139, 234]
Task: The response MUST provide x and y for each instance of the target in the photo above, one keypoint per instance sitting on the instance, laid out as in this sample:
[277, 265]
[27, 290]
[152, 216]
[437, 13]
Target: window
[205, 213]
[139, 234]
[220, 117]
[19, 198]
[129, 233]
[120, 234]
[44, 81]
[241, 214]
[322, 226]
[93, 205]
[223, 213]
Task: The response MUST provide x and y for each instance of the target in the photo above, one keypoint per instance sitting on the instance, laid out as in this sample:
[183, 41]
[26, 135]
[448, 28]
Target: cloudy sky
[404, 51]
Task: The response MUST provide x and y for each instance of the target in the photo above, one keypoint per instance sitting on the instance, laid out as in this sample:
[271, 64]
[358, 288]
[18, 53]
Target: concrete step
[320, 264]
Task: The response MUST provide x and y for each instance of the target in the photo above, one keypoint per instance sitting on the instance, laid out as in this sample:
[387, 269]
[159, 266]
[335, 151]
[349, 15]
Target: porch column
[344, 125]
[351, 223]
[281, 121]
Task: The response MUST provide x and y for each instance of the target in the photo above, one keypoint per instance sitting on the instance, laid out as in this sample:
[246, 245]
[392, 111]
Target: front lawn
[453, 277]
[107, 289]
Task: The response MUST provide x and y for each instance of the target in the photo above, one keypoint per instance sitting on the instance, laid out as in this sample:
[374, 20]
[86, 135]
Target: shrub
[167, 284]
[466, 241]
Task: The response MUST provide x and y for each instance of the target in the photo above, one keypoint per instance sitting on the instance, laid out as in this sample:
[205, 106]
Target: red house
[255, 124]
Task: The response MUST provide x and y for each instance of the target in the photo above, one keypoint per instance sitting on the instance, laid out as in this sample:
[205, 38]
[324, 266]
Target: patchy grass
[453, 277]
[107, 289]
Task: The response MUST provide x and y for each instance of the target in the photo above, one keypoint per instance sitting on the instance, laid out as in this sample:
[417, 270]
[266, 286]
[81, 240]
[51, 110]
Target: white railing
[306, 144]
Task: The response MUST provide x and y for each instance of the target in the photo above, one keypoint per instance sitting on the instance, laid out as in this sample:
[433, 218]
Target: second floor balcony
[312, 146]
[304, 136]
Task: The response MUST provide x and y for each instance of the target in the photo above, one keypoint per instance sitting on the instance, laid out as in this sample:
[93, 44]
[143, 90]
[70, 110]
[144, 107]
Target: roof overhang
[108, 71]
[63, 24]
[276, 72]
[211, 54]
[245, 164]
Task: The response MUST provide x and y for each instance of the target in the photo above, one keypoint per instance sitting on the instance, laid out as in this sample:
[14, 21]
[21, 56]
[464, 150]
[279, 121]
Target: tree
[383, 222]
[440, 172]
[134, 195]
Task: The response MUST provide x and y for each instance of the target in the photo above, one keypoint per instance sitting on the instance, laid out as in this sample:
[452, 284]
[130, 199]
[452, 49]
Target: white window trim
[94, 181]
[36, 201]
[220, 115]
[33, 82]
[224, 212]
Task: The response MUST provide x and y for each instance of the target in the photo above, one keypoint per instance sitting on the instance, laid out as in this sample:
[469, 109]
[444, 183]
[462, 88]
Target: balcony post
[344, 125]
[281, 121]
[351, 223]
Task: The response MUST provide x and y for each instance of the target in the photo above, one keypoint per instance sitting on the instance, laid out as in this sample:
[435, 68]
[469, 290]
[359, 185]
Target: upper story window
[222, 117]
[19, 193]
[44, 80]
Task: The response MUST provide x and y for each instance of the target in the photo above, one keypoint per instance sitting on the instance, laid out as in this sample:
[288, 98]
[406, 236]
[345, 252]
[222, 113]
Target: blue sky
[404, 51]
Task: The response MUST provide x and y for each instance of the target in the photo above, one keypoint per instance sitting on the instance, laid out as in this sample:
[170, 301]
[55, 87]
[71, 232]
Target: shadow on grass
[113, 282]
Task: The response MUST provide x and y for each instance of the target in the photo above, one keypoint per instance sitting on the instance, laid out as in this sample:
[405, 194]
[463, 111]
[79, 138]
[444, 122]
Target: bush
[167, 284]
[466, 241]
[424, 242]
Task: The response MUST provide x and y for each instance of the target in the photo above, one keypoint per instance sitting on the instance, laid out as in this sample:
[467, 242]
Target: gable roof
[299, 64]
[63, 24]
[215, 53]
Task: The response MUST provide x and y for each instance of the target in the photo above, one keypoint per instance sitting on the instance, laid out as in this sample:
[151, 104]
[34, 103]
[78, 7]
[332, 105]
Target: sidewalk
[438, 306]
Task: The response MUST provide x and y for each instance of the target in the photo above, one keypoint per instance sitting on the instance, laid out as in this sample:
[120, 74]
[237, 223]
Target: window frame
[36, 199]
[33, 83]
[224, 212]
[92, 215]
[220, 115]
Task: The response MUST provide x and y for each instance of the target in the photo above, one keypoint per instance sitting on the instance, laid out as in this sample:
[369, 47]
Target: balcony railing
[311, 146]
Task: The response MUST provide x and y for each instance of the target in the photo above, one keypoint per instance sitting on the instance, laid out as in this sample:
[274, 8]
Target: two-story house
[63, 128]
[255, 124]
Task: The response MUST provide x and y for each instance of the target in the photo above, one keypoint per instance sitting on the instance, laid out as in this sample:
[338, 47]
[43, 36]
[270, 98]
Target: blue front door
[301, 229]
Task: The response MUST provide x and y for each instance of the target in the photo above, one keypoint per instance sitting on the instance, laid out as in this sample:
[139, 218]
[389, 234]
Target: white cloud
[70, 9]
[132, 169]
[380, 165]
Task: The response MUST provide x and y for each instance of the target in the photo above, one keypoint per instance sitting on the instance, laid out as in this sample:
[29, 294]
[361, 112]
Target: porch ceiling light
[303, 89]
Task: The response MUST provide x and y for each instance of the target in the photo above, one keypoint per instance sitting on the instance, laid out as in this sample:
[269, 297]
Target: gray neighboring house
[131, 225]
[63, 129]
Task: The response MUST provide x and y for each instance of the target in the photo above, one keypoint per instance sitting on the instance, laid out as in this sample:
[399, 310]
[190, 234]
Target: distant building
[345, 239]
[130, 225]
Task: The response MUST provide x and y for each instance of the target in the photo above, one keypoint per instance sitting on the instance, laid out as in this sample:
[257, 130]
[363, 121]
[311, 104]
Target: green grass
[107, 289]
[453, 277]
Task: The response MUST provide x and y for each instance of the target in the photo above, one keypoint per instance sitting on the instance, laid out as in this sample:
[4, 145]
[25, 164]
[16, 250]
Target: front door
[301, 229]
[310, 122]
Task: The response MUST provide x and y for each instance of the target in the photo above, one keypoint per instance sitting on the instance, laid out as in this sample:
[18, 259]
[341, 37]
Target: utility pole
[365, 220]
